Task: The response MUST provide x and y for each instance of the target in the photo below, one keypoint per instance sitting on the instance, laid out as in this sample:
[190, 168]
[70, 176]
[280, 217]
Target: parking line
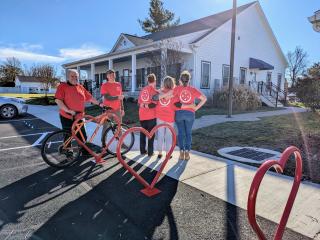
[36, 143]
[25, 119]
[31, 134]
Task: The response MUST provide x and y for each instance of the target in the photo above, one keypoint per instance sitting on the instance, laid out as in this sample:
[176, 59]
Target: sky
[60, 31]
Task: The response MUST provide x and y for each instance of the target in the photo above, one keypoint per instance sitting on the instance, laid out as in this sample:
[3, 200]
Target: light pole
[233, 36]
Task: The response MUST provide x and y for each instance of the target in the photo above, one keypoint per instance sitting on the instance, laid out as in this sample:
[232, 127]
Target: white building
[28, 84]
[204, 47]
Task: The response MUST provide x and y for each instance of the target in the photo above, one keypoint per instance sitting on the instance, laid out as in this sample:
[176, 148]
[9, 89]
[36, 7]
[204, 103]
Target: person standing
[111, 91]
[71, 98]
[165, 112]
[147, 113]
[184, 118]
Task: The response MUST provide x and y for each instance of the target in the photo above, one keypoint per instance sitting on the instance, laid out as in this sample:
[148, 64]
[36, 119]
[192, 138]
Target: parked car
[12, 107]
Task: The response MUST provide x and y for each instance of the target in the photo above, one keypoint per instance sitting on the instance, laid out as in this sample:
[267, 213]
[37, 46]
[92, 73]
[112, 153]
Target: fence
[24, 90]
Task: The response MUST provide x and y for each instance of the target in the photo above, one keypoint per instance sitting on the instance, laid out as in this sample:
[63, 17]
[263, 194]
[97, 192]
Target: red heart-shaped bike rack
[100, 121]
[149, 189]
[279, 166]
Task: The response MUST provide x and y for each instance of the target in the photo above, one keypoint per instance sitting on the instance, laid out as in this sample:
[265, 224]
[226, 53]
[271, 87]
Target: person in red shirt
[71, 98]
[165, 112]
[147, 113]
[184, 118]
[111, 91]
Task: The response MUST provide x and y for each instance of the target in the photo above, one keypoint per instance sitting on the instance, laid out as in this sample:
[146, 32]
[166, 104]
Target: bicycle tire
[55, 140]
[111, 129]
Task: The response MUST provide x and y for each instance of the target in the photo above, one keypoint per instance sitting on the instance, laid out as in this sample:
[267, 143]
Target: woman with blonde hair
[184, 118]
[165, 112]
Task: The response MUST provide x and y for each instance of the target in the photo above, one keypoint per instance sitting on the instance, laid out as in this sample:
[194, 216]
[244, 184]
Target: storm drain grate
[251, 154]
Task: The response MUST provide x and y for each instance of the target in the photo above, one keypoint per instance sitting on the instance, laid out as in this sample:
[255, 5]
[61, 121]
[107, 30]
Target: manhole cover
[249, 154]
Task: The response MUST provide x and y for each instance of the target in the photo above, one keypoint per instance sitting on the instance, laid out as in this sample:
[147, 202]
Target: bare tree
[47, 73]
[297, 64]
[169, 58]
[9, 70]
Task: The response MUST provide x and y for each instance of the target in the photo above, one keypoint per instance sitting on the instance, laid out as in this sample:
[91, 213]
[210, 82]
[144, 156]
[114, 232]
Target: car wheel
[8, 111]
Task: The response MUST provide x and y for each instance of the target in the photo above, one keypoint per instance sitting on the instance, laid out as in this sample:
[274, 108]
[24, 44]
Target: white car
[11, 107]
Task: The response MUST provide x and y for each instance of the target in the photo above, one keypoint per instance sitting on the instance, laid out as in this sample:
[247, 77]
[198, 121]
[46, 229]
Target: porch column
[92, 73]
[134, 72]
[163, 63]
[110, 63]
[66, 71]
[78, 70]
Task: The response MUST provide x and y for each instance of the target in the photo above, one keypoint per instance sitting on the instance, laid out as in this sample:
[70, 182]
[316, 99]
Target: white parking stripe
[32, 134]
[25, 119]
[40, 139]
[36, 143]
[13, 148]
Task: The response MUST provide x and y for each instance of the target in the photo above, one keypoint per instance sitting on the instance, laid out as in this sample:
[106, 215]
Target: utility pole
[233, 36]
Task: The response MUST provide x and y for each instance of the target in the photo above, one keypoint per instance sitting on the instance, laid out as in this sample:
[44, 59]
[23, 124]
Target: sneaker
[181, 157]
[186, 155]
[150, 154]
[160, 155]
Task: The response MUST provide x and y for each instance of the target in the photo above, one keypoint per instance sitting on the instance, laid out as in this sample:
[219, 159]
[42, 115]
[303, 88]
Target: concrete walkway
[208, 120]
[228, 180]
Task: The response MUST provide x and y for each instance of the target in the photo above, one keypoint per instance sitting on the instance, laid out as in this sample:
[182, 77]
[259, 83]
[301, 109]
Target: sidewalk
[228, 180]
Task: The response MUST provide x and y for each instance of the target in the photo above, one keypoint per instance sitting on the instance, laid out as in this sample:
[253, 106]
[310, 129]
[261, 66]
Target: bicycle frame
[100, 120]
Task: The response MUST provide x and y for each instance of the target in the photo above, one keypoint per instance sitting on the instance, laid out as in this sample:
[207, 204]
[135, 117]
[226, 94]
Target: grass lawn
[131, 116]
[301, 130]
[24, 95]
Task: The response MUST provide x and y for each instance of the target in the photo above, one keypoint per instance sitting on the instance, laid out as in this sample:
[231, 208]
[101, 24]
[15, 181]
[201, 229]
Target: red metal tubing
[279, 166]
[149, 135]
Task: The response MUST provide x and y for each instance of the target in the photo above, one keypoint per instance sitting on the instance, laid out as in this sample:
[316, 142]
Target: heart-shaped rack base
[149, 189]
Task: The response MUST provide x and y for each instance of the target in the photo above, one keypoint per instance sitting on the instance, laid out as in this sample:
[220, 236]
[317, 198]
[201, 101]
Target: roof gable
[128, 41]
[211, 22]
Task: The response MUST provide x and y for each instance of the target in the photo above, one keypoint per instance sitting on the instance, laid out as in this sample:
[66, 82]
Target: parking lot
[90, 201]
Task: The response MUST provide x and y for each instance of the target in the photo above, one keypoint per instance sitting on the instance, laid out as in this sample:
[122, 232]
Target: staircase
[269, 93]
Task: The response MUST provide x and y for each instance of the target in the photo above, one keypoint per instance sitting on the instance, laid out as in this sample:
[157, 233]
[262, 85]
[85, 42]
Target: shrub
[308, 91]
[50, 100]
[243, 99]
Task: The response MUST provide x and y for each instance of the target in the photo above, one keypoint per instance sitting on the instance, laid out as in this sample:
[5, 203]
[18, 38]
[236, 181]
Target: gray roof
[211, 22]
[137, 40]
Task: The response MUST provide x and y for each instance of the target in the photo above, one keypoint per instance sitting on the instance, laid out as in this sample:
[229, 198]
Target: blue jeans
[184, 121]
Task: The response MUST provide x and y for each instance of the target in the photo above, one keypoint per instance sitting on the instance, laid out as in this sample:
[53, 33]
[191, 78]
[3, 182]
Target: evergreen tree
[159, 18]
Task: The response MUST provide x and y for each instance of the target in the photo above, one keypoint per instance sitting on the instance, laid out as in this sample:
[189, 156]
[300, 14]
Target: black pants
[67, 124]
[148, 125]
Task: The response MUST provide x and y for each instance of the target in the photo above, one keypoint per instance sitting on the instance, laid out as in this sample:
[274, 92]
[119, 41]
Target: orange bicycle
[62, 148]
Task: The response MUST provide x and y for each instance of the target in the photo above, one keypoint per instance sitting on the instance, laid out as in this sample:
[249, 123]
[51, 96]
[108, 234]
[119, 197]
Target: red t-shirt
[73, 96]
[165, 109]
[113, 89]
[186, 95]
[145, 96]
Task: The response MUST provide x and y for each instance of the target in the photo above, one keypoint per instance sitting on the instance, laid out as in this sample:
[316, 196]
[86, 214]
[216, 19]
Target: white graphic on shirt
[145, 96]
[185, 96]
[164, 102]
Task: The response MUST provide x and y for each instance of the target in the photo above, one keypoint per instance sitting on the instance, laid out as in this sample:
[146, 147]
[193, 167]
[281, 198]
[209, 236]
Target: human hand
[121, 97]
[122, 113]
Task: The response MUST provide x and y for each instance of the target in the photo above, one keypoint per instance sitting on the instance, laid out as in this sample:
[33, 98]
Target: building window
[243, 73]
[205, 74]
[269, 79]
[279, 81]
[225, 74]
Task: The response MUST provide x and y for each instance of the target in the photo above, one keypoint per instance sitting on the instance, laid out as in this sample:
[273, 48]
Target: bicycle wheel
[127, 143]
[59, 149]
